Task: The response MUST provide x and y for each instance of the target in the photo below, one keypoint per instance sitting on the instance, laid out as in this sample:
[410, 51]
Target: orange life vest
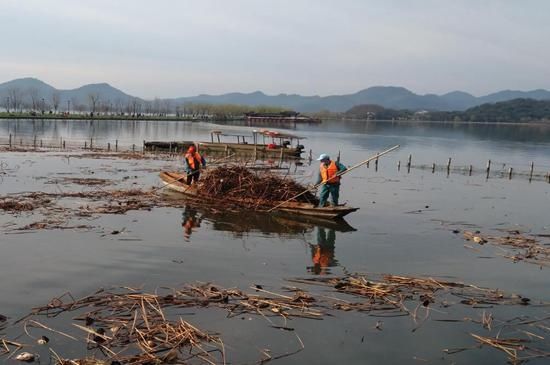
[194, 160]
[328, 173]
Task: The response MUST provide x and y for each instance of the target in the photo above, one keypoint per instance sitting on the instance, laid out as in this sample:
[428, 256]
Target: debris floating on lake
[130, 326]
[523, 247]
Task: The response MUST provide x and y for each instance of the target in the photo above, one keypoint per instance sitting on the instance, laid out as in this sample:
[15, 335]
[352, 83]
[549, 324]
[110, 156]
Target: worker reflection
[322, 254]
[189, 222]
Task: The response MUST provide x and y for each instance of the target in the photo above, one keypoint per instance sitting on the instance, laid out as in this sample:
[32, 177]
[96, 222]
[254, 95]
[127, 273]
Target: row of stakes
[409, 160]
[39, 143]
[448, 167]
[470, 168]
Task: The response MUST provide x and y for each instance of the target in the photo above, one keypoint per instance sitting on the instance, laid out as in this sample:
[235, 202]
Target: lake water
[404, 227]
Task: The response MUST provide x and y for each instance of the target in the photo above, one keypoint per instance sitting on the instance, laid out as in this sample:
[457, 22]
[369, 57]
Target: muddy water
[404, 227]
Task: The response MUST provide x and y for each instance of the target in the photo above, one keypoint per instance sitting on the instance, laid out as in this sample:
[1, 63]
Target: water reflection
[322, 254]
[265, 224]
[191, 220]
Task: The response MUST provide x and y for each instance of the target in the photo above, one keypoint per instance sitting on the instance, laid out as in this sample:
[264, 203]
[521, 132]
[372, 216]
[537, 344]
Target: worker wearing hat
[328, 171]
[193, 162]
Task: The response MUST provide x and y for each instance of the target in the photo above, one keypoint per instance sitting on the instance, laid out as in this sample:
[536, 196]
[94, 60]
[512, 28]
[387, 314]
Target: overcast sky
[185, 47]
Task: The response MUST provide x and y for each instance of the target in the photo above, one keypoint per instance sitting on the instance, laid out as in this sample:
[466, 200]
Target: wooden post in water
[470, 170]
[448, 165]
[376, 163]
[108, 146]
[488, 168]
[116, 145]
[399, 165]
[531, 171]
[433, 167]
[34, 142]
[10, 140]
[409, 164]
[510, 173]
[91, 143]
[63, 144]
[368, 164]
[85, 145]
[40, 143]
[133, 147]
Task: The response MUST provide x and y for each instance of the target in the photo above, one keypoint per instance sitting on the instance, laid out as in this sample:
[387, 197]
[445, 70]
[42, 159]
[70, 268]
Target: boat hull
[175, 182]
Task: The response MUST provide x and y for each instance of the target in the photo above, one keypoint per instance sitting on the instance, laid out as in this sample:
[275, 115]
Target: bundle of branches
[252, 188]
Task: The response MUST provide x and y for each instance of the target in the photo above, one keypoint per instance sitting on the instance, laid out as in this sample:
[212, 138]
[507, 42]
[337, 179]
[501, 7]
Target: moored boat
[261, 143]
[175, 182]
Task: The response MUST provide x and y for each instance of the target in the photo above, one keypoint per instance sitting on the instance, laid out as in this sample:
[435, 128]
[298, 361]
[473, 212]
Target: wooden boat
[262, 142]
[175, 182]
[266, 143]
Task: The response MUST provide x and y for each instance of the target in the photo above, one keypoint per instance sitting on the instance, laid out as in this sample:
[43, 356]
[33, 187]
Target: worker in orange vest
[327, 174]
[193, 162]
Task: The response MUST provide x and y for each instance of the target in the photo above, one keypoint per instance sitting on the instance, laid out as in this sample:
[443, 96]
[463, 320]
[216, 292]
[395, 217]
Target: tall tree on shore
[75, 103]
[33, 94]
[93, 99]
[56, 99]
[16, 98]
[118, 105]
[156, 106]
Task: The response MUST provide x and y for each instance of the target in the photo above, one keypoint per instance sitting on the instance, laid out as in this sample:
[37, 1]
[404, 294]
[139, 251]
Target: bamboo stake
[338, 174]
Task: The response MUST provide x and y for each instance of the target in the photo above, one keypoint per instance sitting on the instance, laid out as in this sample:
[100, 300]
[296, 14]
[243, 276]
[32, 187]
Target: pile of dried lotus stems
[524, 247]
[58, 208]
[389, 294]
[252, 188]
[129, 326]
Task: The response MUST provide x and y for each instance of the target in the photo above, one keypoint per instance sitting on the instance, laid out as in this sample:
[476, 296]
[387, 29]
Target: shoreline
[76, 117]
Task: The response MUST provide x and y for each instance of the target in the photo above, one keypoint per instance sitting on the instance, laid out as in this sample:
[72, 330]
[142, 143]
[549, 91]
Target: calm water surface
[404, 227]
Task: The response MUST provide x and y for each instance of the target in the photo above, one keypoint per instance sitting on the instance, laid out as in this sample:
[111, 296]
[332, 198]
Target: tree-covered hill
[512, 111]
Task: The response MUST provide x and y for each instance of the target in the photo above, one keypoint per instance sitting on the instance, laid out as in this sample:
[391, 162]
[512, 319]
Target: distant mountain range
[386, 96]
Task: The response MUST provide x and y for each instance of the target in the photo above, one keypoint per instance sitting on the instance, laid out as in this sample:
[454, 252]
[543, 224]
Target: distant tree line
[512, 111]
[30, 101]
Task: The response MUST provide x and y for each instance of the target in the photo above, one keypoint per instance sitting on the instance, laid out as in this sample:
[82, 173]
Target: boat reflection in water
[322, 253]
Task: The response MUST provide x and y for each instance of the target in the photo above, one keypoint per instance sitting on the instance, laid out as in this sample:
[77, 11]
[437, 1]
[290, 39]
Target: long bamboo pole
[338, 174]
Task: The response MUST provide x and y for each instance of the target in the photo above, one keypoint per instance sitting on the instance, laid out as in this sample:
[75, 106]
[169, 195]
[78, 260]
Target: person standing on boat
[327, 174]
[193, 162]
